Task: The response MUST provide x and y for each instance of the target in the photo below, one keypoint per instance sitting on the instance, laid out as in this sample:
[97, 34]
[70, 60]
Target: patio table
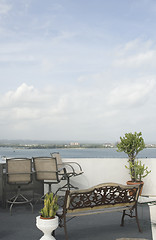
[151, 201]
[147, 200]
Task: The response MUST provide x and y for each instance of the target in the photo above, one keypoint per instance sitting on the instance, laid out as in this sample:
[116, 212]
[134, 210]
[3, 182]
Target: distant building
[74, 144]
[108, 145]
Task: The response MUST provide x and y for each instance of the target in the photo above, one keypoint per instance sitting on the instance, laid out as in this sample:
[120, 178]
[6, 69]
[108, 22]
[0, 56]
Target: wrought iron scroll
[106, 195]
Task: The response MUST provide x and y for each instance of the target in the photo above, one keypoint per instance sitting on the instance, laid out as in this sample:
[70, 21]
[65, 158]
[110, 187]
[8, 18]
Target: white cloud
[63, 36]
[28, 103]
[136, 53]
[132, 94]
[4, 8]
[52, 113]
[24, 113]
[52, 105]
[19, 59]
[23, 93]
[47, 65]
[133, 46]
[137, 60]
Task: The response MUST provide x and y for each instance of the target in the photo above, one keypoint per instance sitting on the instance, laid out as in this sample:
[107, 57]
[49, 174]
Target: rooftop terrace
[22, 224]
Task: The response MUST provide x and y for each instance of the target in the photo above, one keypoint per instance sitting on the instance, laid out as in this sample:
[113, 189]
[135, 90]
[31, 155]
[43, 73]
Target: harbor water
[7, 152]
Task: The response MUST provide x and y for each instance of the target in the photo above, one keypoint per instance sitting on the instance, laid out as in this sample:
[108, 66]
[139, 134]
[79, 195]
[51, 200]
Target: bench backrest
[106, 195]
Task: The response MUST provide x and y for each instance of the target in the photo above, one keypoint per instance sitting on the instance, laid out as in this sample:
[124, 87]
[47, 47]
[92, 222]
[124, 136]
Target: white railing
[101, 170]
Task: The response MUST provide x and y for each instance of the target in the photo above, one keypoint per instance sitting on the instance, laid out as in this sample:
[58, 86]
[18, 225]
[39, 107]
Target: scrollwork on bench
[100, 197]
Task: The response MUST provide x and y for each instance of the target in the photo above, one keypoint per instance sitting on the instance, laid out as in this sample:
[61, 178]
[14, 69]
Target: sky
[79, 70]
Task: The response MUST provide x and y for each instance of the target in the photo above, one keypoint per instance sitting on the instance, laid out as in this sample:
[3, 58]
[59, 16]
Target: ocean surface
[73, 153]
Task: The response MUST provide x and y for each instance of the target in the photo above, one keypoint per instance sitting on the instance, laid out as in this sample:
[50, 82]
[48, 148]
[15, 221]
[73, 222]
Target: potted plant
[47, 222]
[132, 144]
[140, 172]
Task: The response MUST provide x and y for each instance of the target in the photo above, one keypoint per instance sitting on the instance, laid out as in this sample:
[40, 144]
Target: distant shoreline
[62, 146]
[51, 146]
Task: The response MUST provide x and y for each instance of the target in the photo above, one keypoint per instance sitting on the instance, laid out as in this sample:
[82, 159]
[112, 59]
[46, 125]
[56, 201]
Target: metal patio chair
[71, 169]
[18, 172]
[46, 170]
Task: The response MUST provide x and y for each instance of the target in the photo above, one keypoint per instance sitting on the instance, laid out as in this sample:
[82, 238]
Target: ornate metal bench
[106, 197]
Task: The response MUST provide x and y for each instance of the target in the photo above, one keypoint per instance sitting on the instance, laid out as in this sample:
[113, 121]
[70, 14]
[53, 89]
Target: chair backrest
[46, 168]
[58, 158]
[19, 170]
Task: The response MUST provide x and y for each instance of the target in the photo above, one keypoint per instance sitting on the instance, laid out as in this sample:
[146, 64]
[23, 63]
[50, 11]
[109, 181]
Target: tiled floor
[22, 225]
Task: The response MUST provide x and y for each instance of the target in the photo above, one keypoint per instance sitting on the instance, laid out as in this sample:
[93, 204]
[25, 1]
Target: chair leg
[67, 186]
[49, 191]
[13, 202]
[14, 199]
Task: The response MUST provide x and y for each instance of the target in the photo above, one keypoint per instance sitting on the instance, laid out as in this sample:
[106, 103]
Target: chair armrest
[77, 164]
[68, 166]
[60, 170]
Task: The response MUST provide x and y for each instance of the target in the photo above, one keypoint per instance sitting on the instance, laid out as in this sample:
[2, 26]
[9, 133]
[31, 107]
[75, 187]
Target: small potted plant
[47, 222]
[132, 144]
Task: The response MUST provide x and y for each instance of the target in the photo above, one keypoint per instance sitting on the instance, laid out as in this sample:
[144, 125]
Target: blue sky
[77, 70]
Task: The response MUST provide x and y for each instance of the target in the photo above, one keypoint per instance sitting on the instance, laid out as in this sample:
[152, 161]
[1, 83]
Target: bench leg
[122, 219]
[137, 220]
[131, 215]
[65, 228]
[63, 224]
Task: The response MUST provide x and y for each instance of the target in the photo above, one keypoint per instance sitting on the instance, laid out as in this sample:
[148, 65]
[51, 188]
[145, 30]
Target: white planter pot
[47, 226]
